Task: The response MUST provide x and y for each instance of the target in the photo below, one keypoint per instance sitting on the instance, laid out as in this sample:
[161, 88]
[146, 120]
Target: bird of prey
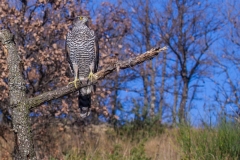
[83, 56]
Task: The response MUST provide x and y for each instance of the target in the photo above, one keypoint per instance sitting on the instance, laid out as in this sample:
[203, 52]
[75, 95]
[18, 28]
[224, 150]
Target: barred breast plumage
[82, 49]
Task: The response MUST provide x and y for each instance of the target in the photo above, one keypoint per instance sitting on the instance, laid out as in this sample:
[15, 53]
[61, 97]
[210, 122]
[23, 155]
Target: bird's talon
[91, 76]
[74, 82]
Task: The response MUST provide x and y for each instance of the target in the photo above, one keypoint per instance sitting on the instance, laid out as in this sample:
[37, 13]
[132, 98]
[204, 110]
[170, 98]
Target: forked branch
[20, 104]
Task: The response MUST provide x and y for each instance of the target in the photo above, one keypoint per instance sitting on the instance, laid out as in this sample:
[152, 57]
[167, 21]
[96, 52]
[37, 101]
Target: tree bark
[162, 86]
[176, 91]
[147, 35]
[182, 118]
[146, 102]
[47, 96]
[20, 104]
[24, 148]
[153, 91]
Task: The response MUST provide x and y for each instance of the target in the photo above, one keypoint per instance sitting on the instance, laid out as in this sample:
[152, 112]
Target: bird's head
[80, 20]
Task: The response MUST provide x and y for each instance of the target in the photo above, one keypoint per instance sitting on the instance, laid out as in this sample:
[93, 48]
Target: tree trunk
[115, 100]
[153, 91]
[24, 149]
[20, 104]
[145, 84]
[176, 90]
[162, 86]
[183, 102]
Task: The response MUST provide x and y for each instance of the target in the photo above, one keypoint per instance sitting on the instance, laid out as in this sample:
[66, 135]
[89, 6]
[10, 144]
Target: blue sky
[204, 107]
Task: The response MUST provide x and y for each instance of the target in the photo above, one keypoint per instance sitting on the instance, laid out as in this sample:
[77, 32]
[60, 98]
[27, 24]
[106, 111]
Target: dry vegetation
[165, 87]
[62, 139]
[72, 140]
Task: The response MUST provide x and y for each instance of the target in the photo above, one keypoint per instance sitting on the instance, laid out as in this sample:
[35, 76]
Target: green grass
[139, 130]
[147, 140]
[220, 143]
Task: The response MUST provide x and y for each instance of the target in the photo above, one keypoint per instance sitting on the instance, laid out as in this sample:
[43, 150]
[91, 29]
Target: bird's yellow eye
[81, 18]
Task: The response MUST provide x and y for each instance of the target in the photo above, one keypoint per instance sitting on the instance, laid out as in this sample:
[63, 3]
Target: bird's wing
[68, 56]
[96, 49]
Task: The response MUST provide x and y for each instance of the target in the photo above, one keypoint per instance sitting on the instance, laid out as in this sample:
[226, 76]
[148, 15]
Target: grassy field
[134, 141]
[146, 142]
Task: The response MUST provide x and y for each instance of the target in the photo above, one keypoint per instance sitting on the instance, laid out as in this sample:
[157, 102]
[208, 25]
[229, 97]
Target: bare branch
[47, 96]
[20, 104]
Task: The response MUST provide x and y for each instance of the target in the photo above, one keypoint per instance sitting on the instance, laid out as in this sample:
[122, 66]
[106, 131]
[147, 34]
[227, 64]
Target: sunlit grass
[151, 141]
[220, 143]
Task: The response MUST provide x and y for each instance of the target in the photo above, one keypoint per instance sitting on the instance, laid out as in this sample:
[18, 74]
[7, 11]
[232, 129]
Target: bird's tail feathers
[84, 102]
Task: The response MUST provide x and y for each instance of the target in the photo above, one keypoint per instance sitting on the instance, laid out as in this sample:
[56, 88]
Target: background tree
[165, 88]
[187, 28]
[226, 64]
[144, 82]
[113, 25]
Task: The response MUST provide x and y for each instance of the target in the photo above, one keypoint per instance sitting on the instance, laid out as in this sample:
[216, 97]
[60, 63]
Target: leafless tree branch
[47, 96]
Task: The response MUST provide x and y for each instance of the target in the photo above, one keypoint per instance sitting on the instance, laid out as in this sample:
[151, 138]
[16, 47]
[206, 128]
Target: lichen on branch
[47, 96]
[20, 104]
[17, 92]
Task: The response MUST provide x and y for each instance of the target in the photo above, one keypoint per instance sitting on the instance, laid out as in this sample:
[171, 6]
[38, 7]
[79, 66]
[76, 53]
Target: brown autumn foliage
[40, 30]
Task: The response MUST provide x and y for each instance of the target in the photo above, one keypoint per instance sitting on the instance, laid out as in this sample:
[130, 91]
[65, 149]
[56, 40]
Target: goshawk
[82, 54]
